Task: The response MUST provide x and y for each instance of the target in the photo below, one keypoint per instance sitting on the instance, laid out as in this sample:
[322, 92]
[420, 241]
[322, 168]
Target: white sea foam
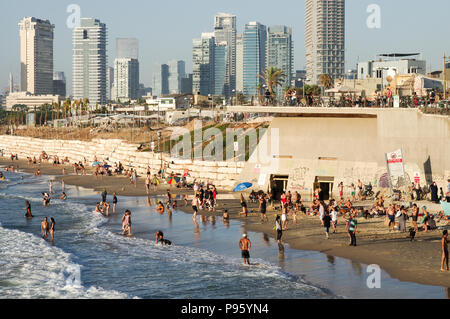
[31, 268]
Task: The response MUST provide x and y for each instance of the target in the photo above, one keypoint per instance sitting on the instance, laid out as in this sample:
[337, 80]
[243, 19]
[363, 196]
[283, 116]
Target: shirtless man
[45, 227]
[245, 245]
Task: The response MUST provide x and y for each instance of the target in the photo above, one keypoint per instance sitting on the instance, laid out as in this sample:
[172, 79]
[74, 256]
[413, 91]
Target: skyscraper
[280, 53]
[59, 84]
[220, 68]
[255, 40]
[324, 39]
[225, 31]
[177, 71]
[109, 83]
[89, 61]
[36, 56]
[203, 64]
[126, 79]
[160, 79]
[240, 63]
[126, 69]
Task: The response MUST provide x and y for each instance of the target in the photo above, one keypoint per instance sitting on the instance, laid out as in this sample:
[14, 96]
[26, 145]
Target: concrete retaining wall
[223, 174]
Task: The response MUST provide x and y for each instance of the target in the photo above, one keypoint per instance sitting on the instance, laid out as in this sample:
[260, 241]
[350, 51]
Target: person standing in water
[28, 209]
[126, 223]
[52, 228]
[44, 228]
[245, 245]
[195, 203]
[114, 203]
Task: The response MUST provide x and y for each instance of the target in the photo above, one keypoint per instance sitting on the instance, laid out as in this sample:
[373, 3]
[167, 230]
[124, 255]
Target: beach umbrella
[171, 181]
[242, 187]
[106, 166]
[96, 164]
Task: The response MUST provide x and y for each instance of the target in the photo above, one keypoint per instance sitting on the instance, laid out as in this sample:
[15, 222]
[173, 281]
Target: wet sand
[417, 261]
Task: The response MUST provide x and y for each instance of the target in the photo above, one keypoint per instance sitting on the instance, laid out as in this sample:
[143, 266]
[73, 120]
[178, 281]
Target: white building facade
[89, 61]
[324, 39]
[126, 79]
[36, 55]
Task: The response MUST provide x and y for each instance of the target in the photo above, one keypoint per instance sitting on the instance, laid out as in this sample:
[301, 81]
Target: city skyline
[170, 42]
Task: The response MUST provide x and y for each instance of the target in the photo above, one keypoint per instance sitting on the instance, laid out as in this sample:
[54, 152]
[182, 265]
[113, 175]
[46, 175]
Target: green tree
[326, 81]
[273, 77]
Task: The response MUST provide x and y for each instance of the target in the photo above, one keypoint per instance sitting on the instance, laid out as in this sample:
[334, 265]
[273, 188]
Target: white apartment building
[36, 55]
[89, 61]
[126, 79]
[324, 39]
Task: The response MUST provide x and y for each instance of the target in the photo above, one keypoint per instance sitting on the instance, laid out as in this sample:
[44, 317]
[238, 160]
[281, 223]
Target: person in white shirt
[334, 219]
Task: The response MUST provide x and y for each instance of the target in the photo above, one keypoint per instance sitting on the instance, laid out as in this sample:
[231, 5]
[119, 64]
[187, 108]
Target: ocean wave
[31, 268]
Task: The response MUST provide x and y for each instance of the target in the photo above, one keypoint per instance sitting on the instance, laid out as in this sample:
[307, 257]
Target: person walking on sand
[351, 227]
[245, 245]
[263, 208]
[444, 251]
[284, 218]
[327, 224]
[44, 228]
[147, 183]
[334, 218]
[244, 206]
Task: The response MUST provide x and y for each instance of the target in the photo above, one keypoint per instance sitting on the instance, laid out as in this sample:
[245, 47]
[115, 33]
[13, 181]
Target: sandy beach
[417, 261]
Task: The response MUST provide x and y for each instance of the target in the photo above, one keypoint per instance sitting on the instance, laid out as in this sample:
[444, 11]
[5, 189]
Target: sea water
[89, 257]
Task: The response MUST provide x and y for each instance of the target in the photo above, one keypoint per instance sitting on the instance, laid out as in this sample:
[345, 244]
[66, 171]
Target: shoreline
[417, 262]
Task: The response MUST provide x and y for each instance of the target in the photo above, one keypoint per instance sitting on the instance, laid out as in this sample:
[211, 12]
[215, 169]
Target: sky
[165, 29]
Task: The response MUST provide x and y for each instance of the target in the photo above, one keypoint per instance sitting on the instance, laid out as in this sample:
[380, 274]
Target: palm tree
[326, 81]
[273, 77]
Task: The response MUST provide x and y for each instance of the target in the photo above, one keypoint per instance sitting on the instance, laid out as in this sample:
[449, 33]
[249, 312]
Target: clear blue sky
[165, 29]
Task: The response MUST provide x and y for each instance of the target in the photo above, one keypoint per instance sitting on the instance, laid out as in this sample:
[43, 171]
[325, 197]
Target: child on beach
[126, 223]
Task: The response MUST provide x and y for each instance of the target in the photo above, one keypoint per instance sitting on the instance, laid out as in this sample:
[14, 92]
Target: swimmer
[52, 228]
[44, 228]
[63, 196]
[160, 239]
[226, 216]
[28, 209]
[98, 209]
[46, 199]
[160, 208]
